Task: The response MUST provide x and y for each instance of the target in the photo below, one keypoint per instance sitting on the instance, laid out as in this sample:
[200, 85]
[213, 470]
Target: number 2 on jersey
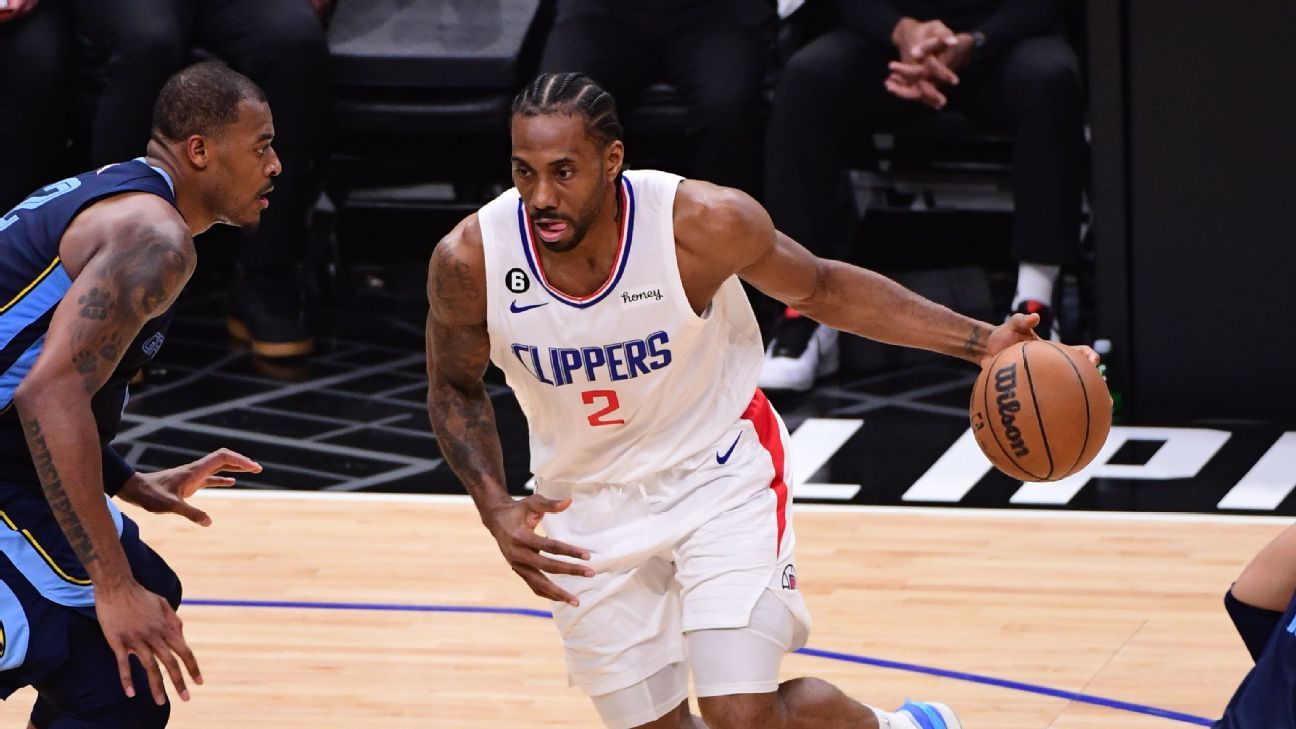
[607, 396]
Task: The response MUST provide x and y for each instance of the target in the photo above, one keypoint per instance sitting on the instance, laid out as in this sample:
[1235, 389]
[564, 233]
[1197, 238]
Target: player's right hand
[513, 525]
[139, 623]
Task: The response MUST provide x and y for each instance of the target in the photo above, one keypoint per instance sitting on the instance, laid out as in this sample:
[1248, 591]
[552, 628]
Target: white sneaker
[800, 350]
[930, 715]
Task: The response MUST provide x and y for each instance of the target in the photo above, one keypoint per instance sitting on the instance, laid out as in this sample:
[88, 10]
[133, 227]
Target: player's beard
[580, 225]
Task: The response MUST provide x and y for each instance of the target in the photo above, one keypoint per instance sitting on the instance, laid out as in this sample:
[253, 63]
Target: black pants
[831, 96]
[716, 52]
[33, 69]
[279, 44]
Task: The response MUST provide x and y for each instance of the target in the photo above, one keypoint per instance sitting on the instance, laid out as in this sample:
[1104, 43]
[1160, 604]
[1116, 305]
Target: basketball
[1040, 411]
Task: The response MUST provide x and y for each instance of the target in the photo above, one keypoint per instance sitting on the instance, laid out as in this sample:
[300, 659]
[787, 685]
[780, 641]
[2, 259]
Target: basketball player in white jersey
[611, 300]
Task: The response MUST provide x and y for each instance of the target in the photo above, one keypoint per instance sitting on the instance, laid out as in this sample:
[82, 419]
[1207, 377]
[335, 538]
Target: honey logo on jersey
[616, 362]
[637, 298]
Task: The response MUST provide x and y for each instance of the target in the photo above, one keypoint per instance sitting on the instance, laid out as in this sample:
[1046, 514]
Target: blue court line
[831, 655]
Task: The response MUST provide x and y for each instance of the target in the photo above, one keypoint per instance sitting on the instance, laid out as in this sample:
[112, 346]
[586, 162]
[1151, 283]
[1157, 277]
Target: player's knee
[741, 711]
[1254, 624]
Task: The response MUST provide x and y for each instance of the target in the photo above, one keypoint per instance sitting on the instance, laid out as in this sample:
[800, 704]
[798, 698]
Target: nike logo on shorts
[513, 307]
[725, 458]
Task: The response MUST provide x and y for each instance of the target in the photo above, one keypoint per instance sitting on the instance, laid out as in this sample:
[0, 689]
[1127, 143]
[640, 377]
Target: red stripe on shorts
[766, 422]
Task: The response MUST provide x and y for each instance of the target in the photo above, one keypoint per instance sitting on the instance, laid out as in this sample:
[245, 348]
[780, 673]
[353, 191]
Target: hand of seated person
[930, 53]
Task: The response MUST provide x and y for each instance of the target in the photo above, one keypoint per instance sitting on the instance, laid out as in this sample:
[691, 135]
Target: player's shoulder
[720, 226]
[464, 243]
[138, 211]
[459, 257]
[144, 219]
[709, 209]
[131, 224]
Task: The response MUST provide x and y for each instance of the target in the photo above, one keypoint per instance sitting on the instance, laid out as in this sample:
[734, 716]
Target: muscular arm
[133, 276]
[724, 231]
[458, 351]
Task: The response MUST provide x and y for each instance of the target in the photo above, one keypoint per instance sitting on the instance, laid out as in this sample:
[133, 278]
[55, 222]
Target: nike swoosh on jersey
[513, 307]
[725, 458]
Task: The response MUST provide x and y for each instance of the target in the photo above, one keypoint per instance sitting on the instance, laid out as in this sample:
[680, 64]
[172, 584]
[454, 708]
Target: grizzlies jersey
[33, 282]
[627, 381]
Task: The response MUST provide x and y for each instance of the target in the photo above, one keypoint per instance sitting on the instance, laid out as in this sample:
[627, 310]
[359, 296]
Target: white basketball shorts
[692, 548]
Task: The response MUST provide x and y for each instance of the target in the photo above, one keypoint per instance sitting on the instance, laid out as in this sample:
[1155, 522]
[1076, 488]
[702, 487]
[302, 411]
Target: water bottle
[1104, 347]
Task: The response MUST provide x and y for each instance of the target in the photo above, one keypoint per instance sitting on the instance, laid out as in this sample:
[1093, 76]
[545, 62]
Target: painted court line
[934, 511]
[831, 655]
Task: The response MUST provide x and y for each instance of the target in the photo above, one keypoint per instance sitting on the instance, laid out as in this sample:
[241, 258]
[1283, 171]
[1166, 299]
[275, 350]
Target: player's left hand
[1021, 328]
[165, 492]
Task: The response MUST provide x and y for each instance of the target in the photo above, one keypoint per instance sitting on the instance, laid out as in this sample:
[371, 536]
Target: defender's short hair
[201, 99]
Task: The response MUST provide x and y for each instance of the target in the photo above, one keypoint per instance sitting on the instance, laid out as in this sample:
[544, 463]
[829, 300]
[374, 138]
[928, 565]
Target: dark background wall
[1194, 125]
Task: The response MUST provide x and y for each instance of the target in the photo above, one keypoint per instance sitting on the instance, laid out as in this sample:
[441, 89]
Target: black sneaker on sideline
[266, 312]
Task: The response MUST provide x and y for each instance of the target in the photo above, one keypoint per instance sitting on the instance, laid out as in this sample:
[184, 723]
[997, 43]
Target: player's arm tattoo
[459, 407]
[57, 496]
[131, 279]
[976, 342]
[133, 285]
[463, 419]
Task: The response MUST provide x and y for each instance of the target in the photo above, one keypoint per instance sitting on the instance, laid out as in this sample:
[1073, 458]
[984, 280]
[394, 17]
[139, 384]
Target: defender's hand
[1021, 328]
[137, 622]
[165, 492]
[513, 525]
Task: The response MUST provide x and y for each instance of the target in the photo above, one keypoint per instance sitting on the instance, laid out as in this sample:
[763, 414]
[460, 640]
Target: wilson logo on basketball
[1049, 394]
[1008, 406]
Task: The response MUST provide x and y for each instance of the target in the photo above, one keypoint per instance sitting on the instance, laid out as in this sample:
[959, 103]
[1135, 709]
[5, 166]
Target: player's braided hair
[572, 93]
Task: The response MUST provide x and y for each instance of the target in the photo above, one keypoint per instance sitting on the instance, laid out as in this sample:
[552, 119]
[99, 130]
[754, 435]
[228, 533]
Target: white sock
[887, 720]
[1035, 281]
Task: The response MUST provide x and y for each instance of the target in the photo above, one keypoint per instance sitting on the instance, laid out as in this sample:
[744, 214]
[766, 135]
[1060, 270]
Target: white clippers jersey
[627, 381]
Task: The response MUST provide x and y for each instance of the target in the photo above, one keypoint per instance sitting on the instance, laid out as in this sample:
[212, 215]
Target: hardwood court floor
[1125, 608]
